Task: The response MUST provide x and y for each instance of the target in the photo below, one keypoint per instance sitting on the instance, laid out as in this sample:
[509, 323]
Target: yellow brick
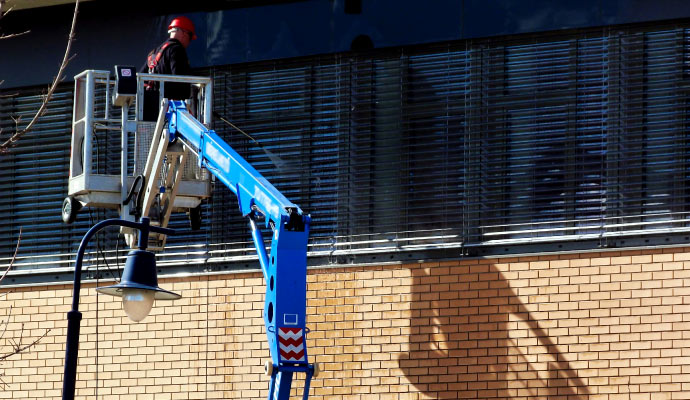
[440, 329]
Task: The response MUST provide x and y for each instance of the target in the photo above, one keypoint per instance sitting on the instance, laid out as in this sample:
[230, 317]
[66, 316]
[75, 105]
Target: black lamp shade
[139, 273]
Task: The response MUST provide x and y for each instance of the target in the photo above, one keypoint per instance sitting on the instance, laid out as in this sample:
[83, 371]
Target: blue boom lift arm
[285, 270]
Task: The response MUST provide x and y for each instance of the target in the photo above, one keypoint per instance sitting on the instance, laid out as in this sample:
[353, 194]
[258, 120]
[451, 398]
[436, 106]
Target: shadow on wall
[472, 337]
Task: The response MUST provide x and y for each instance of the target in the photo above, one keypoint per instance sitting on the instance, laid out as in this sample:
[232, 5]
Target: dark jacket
[168, 58]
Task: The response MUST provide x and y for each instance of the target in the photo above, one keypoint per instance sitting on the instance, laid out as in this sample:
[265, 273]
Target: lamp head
[139, 285]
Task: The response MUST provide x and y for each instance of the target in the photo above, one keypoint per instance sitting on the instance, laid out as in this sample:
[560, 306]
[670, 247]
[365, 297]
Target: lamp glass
[137, 303]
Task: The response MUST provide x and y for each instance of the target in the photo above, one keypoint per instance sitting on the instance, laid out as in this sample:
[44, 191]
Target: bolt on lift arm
[285, 270]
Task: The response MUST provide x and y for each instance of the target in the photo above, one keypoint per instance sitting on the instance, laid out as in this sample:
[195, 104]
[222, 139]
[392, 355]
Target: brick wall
[612, 325]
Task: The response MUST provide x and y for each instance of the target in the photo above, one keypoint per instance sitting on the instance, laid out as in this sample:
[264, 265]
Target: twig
[11, 35]
[11, 142]
[14, 257]
[7, 322]
[9, 267]
[2, 14]
[18, 347]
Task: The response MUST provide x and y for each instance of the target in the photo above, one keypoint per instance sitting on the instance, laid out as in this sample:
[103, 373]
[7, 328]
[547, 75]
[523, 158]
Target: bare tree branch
[12, 141]
[18, 347]
[7, 95]
[6, 322]
[12, 35]
[9, 267]
[2, 14]
[14, 257]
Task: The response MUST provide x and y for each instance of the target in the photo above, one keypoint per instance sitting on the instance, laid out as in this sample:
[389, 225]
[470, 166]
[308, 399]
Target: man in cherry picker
[169, 58]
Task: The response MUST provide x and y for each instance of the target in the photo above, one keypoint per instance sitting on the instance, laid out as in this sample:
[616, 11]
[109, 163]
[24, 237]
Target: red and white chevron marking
[291, 342]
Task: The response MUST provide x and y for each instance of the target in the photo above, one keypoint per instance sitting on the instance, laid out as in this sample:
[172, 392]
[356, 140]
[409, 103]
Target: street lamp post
[138, 288]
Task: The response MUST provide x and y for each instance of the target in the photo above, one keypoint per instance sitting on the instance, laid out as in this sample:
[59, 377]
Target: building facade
[499, 197]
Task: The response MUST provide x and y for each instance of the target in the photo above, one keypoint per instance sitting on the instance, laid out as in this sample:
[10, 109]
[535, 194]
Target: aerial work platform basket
[94, 180]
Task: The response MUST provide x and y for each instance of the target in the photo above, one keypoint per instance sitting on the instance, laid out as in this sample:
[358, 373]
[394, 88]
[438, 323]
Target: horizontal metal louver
[478, 143]
[581, 138]
[537, 139]
[34, 173]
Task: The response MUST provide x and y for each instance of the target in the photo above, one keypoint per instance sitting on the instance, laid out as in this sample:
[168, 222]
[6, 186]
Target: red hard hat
[183, 23]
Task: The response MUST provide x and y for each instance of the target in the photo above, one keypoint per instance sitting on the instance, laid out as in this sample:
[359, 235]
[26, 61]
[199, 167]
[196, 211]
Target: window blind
[571, 137]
